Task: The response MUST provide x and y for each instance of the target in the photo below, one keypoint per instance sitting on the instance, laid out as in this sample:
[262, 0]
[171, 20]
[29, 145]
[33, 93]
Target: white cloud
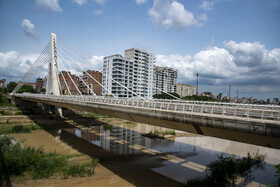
[207, 5]
[101, 2]
[171, 15]
[242, 64]
[28, 28]
[80, 2]
[98, 12]
[20, 64]
[141, 1]
[49, 4]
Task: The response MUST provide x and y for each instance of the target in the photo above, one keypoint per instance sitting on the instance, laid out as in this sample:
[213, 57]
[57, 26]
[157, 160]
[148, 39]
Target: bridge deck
[251, 124]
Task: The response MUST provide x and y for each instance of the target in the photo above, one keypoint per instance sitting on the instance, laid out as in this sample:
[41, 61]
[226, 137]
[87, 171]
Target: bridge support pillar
[53, 79]
[53, 109]
[58, 111]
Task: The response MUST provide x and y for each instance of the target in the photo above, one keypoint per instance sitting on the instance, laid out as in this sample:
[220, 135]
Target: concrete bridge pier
[57, 111]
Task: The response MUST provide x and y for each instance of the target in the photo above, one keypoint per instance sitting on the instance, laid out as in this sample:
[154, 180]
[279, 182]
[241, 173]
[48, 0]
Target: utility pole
[197, 83]
[229, 90]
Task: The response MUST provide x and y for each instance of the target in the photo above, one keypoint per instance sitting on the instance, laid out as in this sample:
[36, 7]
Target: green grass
[90, 115]
[4, 129]
[18, 161]
[4, 101]
[3, 112]
[167, 132]
[18, 113]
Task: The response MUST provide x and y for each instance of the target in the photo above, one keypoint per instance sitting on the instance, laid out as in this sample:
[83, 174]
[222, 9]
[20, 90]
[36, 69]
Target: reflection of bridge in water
[256, 124]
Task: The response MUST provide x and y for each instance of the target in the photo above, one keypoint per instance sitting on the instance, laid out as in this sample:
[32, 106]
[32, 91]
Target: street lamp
[229, 90]
[197, 83]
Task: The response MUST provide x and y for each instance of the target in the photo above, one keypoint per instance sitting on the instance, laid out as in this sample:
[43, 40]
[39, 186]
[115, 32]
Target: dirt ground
[132, 172]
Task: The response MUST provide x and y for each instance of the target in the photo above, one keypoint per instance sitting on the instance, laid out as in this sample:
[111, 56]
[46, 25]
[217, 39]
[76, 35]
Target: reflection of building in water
[120, 139]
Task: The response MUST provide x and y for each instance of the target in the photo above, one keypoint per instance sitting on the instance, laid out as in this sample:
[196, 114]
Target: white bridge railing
[246, 111]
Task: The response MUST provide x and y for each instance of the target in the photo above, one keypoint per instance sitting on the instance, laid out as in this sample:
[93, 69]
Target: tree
[11, 163]
[198, 98]
[166, 96]
[11, 86]
[3, 99]
[26, 88]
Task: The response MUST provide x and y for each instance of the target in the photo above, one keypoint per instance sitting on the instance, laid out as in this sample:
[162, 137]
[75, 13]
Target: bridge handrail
[265, 113]
[219, 103]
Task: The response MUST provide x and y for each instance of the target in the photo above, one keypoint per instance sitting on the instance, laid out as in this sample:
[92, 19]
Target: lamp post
[197, 83]
[229, 90]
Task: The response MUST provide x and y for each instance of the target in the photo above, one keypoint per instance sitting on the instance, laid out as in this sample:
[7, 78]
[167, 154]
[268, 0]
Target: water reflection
[120, 140]
[184, 157]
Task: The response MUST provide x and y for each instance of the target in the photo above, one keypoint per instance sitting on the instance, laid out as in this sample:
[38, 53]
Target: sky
[233, 42]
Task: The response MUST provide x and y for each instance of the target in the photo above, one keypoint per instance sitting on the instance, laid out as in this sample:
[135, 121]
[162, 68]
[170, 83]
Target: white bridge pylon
[52, 80]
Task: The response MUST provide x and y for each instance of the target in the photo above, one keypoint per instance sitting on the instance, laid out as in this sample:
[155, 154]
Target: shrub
[226, 170]
[77, 170]
[16, 160]
[17, 129]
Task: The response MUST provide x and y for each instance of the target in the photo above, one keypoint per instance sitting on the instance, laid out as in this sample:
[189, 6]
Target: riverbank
[129, 159]
[109, 172]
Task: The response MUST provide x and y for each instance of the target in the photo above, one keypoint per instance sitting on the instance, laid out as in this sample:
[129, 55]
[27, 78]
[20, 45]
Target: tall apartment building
[70, 80]
[116, 70]
[165, 80]
[93, 86]
[134, 71]
[185, 90]
[143, 71]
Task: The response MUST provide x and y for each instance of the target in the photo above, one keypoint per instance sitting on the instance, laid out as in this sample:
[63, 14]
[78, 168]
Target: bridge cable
[72, 80]
[37, 64]
[41, 60]
[73, 68]
[65, 83]
[87, 74]
[125, 73]
[104, 74]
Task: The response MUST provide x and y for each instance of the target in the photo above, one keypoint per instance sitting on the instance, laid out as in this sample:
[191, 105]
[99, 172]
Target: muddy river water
[182, 157]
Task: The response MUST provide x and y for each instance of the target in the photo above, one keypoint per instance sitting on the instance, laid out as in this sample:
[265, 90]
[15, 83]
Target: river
[183, 157]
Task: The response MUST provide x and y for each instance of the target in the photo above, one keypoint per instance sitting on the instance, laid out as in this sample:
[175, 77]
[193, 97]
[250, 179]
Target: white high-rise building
[134, 71]
[143, 71]
[165, 80]
[119, 69]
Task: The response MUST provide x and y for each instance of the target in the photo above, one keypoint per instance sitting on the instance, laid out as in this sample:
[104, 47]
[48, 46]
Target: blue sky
[227, 41]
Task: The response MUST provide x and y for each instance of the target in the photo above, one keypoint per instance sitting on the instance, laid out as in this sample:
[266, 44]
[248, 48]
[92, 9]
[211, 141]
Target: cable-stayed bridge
[256, 124]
